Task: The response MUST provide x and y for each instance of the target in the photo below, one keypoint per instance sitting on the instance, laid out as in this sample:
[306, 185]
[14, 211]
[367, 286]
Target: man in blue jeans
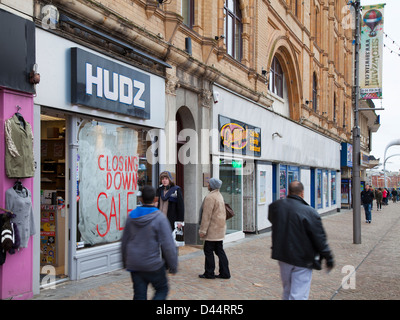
[367, 196]
[148, 248]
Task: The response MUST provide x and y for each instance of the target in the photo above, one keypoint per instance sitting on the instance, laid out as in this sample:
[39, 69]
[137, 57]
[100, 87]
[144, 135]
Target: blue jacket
[147, 243]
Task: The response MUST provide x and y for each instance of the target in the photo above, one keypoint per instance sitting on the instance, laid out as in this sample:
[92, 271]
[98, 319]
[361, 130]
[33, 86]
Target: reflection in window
[230, 173]
[287, 174]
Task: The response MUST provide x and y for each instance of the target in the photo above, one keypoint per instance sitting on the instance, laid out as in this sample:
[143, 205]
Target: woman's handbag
[229, 211]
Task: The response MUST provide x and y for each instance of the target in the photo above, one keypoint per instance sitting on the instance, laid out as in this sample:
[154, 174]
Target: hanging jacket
[19, 160]
[9, 236]
[6, 233]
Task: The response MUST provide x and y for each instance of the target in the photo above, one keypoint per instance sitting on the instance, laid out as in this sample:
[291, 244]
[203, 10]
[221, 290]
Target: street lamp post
[356, 134]
[391, 143]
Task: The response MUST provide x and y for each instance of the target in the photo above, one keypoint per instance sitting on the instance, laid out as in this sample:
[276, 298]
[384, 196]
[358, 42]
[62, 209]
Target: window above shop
[233, 29]
[276, 78]
[187, 11]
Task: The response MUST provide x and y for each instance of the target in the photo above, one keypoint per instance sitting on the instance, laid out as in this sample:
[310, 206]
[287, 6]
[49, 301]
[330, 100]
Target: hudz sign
[103, 84]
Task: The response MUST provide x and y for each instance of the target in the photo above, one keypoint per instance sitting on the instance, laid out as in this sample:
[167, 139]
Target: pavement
[366, 271]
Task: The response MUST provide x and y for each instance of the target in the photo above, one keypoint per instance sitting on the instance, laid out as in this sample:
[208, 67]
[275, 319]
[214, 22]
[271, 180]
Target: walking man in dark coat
[298, 242]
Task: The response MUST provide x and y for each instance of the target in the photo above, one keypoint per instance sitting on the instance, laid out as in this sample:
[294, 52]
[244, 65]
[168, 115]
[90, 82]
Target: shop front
[346, 163]
[259, 152]
[94, 113]
[17, 167]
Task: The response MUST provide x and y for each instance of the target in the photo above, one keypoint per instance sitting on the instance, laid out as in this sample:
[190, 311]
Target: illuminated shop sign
[103, 84]
[239, 137]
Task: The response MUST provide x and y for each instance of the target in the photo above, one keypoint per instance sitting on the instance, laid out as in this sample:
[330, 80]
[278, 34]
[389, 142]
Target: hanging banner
[371, 52]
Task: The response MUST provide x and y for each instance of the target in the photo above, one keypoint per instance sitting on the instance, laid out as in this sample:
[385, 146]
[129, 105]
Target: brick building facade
[255, 92]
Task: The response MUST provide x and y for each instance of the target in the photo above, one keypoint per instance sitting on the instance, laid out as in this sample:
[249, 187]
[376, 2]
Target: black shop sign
[104, 84]
[239, 137]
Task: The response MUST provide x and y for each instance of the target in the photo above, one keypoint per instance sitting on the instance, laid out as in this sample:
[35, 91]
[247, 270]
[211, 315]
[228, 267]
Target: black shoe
[203, 276]
[221, 277]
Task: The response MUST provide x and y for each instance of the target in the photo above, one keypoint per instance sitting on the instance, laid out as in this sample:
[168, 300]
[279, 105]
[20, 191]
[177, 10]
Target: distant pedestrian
[384, 196]
[394, 194]
[146, 242]
[299, 242]
[378, 196]
[212, 231]
[367, 197]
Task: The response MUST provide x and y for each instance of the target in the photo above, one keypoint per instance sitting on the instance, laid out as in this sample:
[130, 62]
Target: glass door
[230, 173]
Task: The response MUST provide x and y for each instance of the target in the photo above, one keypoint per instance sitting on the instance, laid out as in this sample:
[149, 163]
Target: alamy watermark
[49, 280]
[197, 148]
[50, 17]
[349, 281]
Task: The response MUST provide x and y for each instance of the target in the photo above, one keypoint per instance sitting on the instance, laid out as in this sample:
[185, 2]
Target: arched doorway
[180, 172]
[186, 169]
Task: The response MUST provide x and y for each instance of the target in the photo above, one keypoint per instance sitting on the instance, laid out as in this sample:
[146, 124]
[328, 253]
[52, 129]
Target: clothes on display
[19, 201]
[9, 235]
[19, 159]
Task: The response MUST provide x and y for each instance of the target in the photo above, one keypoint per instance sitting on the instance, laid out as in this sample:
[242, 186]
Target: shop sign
[103, 84]
[239, 137]
[364, 159]
[346, 155]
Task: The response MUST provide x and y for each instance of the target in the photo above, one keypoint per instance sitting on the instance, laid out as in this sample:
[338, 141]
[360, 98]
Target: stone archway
[186, 168]
[185, 127]
[283, 50]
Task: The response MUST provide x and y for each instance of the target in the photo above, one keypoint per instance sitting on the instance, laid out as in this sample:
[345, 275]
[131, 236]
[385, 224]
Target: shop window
[345, 192]
[287, 174]
[230, 173]
[282, 182]
[333, 187]
[233, 29]
[319, 189]
[111, 169]
[326, 188]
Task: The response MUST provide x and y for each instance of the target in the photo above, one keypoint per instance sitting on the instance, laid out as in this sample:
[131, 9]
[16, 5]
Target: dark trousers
[209, 248]
[141, 280]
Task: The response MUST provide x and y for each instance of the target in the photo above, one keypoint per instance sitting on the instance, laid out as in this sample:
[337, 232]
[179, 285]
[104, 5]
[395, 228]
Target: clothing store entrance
[53, 210]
